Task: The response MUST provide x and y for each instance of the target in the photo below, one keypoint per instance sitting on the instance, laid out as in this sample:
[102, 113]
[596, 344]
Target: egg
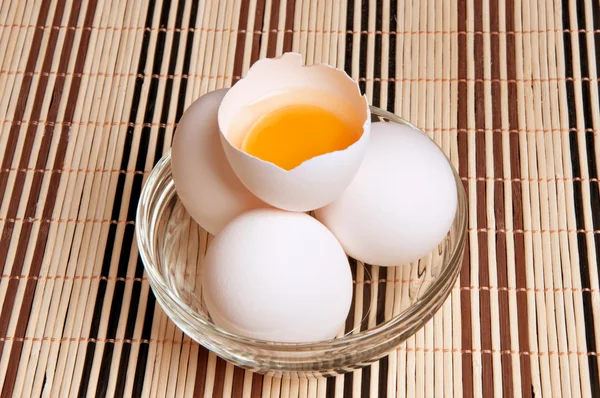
[204, 180]
[295, 135]
[277, 276]
[402, 202]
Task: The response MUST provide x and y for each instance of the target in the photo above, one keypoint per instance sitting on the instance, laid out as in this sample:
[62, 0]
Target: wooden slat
[93, 91]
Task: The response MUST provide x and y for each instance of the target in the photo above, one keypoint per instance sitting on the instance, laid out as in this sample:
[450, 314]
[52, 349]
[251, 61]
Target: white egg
[402, 202]
[277, 276]
[204, 180]
[275, 83]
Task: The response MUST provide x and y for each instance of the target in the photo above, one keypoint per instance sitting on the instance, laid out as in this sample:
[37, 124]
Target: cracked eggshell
[204, 180]
[274, 83]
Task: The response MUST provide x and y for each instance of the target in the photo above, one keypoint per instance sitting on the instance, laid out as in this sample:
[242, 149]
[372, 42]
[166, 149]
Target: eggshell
[204, 180]
[402, 202]
[277, 276]
[274, 83]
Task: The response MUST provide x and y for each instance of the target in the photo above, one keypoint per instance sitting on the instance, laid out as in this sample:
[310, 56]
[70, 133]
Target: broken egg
[294, 135]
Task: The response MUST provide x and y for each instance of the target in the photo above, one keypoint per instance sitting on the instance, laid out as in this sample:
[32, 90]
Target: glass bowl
[389, 303]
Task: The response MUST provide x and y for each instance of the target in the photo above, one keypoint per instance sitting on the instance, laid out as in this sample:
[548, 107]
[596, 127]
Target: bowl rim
[392, 327]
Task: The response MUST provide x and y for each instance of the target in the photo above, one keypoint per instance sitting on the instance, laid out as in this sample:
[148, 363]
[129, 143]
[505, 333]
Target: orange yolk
[291, 135]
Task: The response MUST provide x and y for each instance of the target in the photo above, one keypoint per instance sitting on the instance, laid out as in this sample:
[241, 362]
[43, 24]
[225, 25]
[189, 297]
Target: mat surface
[92, 91]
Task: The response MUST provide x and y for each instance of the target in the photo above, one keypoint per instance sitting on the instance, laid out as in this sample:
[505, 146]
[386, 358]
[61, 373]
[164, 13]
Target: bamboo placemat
[91, 92]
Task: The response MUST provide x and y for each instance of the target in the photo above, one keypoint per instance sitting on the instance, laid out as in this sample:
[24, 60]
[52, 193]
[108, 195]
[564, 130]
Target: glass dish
[389, 303]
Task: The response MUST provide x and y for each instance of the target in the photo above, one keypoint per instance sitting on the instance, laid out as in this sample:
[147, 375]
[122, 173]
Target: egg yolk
[293, 134]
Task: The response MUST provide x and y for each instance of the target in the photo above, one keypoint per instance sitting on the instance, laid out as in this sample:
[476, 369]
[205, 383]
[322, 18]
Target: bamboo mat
[91, 92]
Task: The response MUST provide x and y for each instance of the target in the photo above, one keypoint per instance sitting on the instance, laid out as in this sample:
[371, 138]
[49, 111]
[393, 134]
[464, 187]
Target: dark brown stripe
[330, 390]
[219, 377]
[257, 382]
[11, 144]
[258, 26]
[465, 295]
[501, 263]
[465, 322]
[201, 370]
[391, 105]
[366, 296]
[273, 25]
[238, 383]
[288, 36]
[480, 171]
[583, 151]
[365, 382]
[383, 363]
[19, 183]
[40, 244]
[348, 383]
[517, 199]
[350, 319]
[238, 62]
[377, 64]
[15, 199]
